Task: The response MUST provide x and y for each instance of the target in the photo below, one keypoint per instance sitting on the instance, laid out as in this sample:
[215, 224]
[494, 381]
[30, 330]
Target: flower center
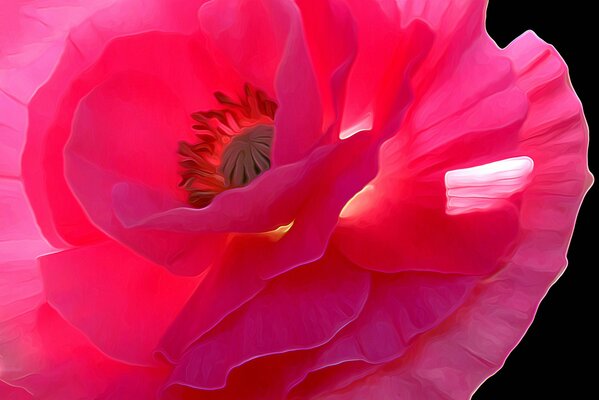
[247, 156]
[232, 146]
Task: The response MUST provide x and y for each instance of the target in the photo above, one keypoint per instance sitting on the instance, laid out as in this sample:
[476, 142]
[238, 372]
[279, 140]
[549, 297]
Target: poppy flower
[269, 199]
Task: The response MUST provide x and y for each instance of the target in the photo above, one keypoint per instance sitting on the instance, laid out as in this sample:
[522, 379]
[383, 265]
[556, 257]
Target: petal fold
[51, 109]
[302, 309]
[476, 341]
[120, 301]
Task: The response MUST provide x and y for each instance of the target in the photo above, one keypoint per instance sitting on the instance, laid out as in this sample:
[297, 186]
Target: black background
[551, 361]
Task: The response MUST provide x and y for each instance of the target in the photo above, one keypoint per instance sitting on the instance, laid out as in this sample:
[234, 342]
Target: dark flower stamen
[247, 156]
[232, 148]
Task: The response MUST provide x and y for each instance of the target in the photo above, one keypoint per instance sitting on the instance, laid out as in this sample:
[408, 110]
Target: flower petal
[299, 192]
[32, 37]
[21, 290]
[400, 222]
[486, 186]
[477, 339]
[302, 309]
[122, 302]
[40, 353]
[51, 109]
[330, 32]
[398, 310]
[8, 392]
[16, 218]
[222, 291]
[55, 362]
[126, 131]
[369, 80]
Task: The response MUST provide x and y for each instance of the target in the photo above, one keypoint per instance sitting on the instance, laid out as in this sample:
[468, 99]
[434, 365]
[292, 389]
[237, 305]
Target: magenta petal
[56, 362]
[21, 288]
[222, 291]
[469, 111]
[368, 80]
[16, 217]
[302, 309]
[52, 107]
[32, 37]
[345, 271]
[256, 53]
[113, 295]
[8, 392]
[298, 122]
[98, 158]
[330, 32]
[13, 121]
[301, 192]
[399, 308]
[477, 339]
[21, 293]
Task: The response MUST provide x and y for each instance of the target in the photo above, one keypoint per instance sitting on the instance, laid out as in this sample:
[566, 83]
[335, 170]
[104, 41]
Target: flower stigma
[232, 146]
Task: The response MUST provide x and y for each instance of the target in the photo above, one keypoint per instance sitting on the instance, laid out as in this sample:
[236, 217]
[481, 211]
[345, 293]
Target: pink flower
[343, 199]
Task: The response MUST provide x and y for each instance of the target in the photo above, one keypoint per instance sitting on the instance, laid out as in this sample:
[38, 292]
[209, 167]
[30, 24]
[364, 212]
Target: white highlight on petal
[484, 186]
[362, 125]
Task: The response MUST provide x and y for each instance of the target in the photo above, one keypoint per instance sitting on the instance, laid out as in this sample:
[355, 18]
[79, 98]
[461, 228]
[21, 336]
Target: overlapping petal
[478, 338]
[32, 36]
[57, 362]
[300, 192]
[122, 302]
[301, 310]
[468, 112]
[50, 111]
[398, 309]
[346, 271]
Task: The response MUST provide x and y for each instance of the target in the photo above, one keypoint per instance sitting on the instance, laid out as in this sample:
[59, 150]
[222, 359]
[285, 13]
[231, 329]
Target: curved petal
[300, 192]
[368, 80]
[126, 130]
[177, 252]
[52, 361]
[469, 114]
[223, 290]
[302, 309]
[51, 108]
[16, 217]
[32, 37]
[21, 294]
[399, 308]
[477, 340]
[330, 33]
[8, 392]
[120, 301]
[21, 290]
[41, 356]
[12, 137]
[257, 51]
